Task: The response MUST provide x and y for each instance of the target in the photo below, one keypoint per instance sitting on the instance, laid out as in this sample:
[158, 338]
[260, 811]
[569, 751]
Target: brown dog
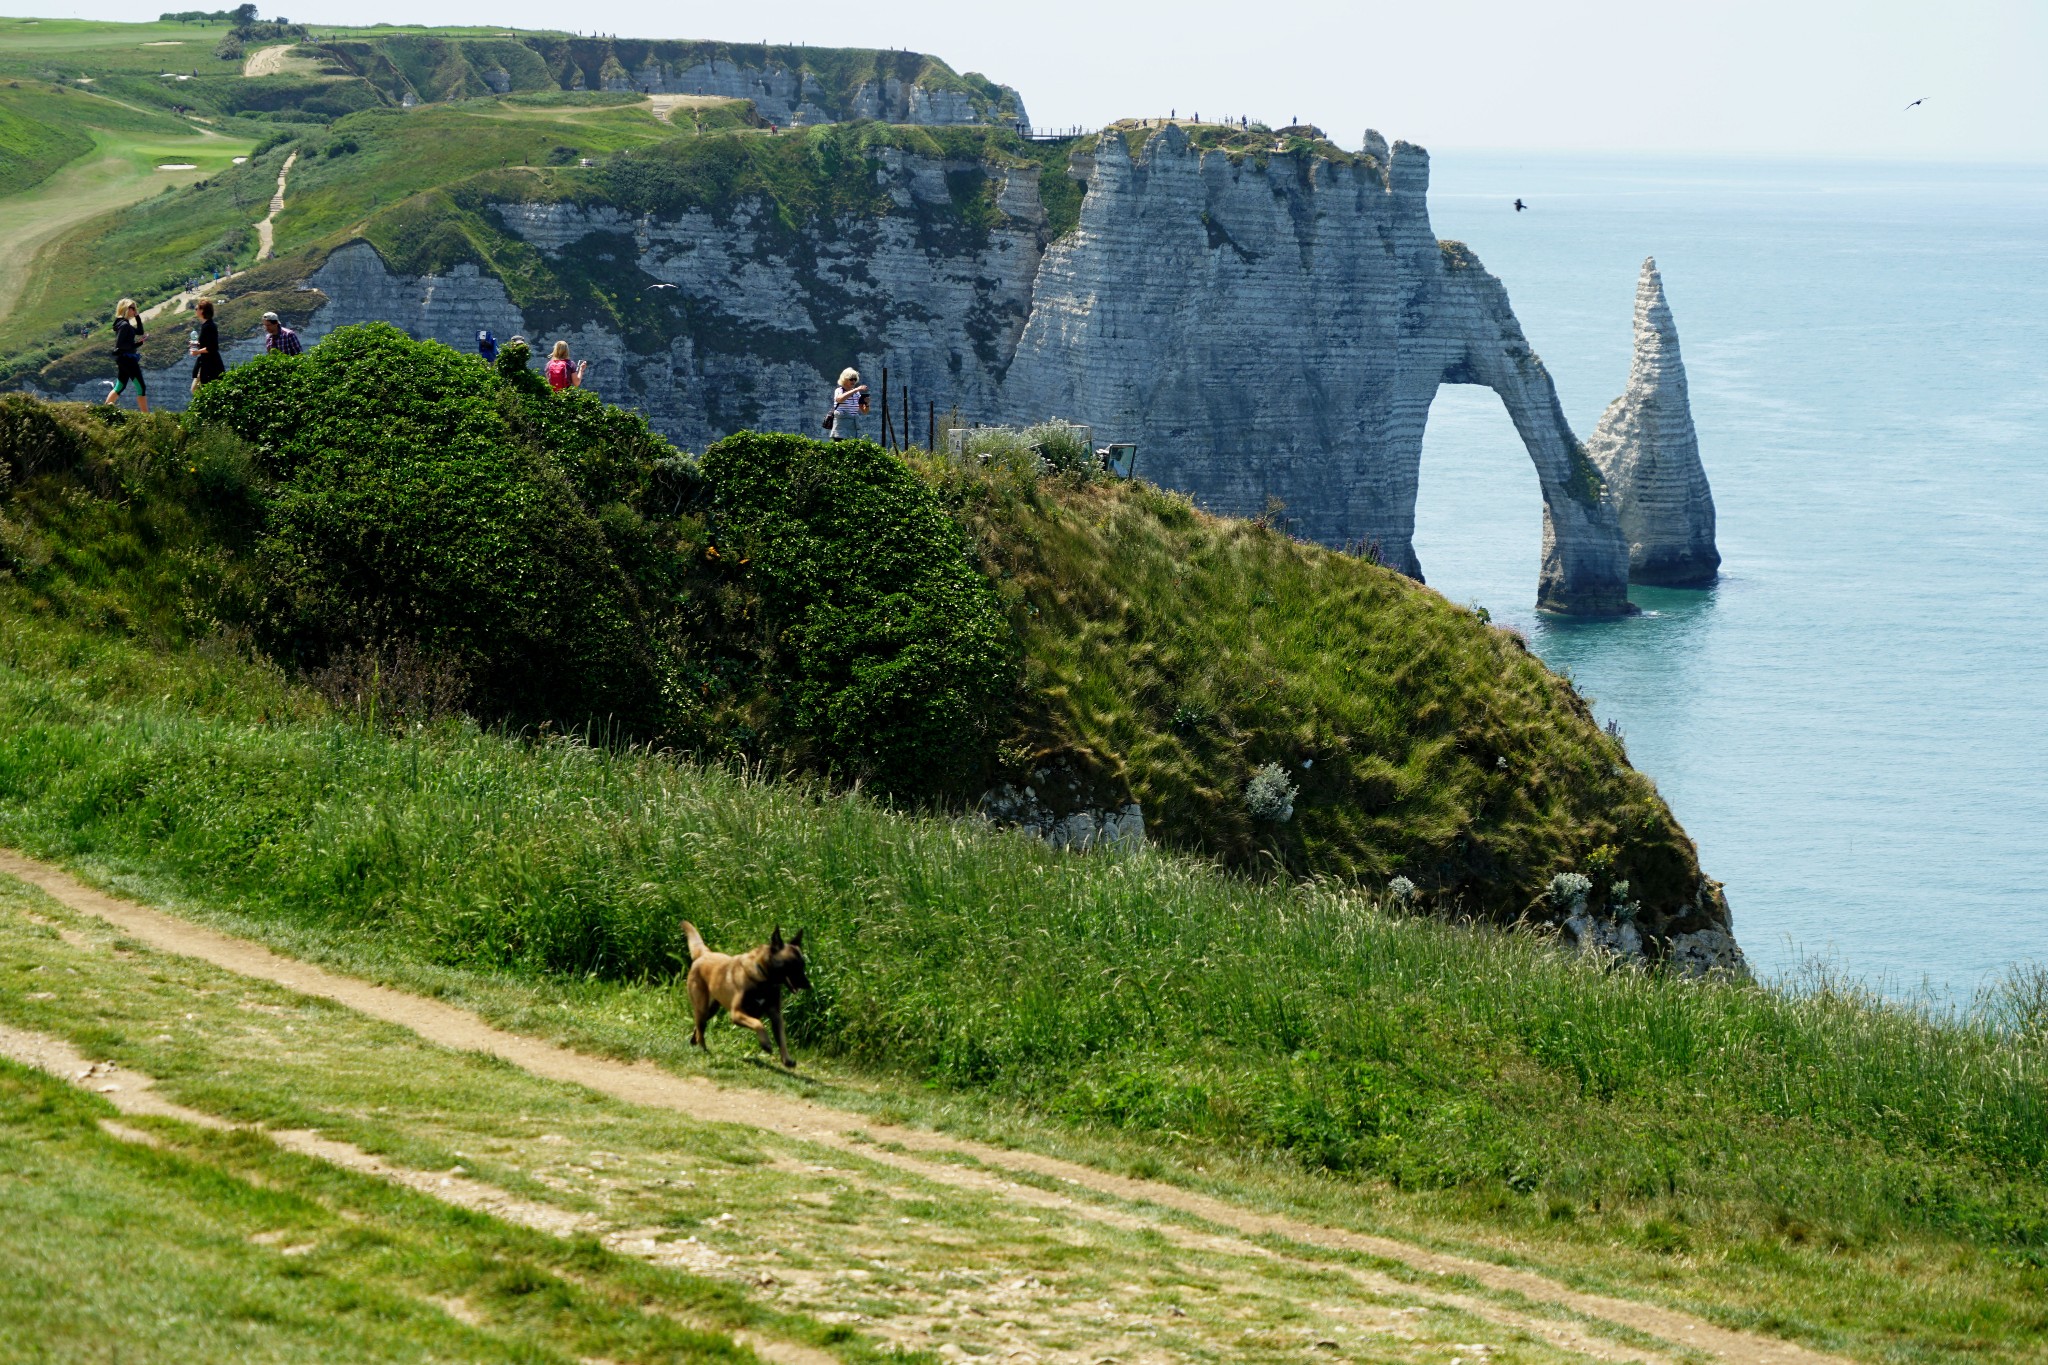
[749, 985]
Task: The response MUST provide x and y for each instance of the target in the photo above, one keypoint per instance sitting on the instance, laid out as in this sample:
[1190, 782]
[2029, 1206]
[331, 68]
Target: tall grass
[1150, 992]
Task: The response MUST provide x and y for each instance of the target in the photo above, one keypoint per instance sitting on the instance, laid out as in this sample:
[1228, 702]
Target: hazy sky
[1779, 77]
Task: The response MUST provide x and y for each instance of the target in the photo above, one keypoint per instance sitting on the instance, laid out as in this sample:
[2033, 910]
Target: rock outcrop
[1649, 453]
[1264, 327]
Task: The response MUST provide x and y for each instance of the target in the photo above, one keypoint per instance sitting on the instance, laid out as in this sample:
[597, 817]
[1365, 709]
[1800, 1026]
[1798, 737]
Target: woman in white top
[848, 401]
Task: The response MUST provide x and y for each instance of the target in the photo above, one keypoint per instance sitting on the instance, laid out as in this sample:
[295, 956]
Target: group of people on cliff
[209, 361]
[202, 344]
[849, 398]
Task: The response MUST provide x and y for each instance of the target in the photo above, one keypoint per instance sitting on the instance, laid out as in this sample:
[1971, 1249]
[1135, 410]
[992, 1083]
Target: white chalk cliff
[1263, 327]
[1649, 453]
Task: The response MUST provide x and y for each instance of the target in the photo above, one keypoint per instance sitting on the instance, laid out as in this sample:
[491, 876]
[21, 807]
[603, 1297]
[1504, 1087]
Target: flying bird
[1920, 101]
[1519, 206]
[652, 287]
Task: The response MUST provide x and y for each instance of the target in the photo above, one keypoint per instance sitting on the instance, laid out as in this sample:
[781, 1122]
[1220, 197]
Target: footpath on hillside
[969, 1200]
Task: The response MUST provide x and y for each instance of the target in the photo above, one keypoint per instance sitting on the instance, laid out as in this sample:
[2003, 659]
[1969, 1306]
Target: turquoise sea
[1851, 723]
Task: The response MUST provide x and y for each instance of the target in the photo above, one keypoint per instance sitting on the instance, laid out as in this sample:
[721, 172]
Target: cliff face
[789, 86]
[1649, 453]
[1279, 331]
[1269, 327]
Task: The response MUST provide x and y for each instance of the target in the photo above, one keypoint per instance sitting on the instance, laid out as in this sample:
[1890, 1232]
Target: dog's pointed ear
[796, 940]
[775, 939]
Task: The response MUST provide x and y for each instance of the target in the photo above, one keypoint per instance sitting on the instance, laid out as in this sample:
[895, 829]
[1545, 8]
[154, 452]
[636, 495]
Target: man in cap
[487, 346]
[279, 337]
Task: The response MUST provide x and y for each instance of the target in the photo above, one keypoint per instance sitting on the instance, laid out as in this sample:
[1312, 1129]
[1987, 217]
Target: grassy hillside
[1190, 652]
[1813, 1163]
[90, 111]
[249, 1253]
[1158, 653]
[1812, 1160]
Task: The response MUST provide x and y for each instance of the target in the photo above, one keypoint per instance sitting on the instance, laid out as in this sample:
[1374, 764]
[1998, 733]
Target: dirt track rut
[911, 1149]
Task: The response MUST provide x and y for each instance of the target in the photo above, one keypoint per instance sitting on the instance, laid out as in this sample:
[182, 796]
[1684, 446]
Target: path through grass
[814, 1234]
[1817, 1164]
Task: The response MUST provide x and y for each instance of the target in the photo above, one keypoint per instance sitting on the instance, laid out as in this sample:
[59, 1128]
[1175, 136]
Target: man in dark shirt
[278, 337]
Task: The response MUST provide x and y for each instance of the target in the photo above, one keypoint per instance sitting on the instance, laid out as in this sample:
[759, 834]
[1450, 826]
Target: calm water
[1850, 724]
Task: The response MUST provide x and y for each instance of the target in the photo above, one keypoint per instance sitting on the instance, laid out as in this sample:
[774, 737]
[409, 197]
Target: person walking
[561, 373]
[279, 339]
[128, 339]
[849, 401]
[207, 365]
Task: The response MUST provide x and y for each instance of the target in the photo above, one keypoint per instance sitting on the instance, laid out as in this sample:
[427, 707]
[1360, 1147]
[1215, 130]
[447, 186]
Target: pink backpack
[558, 374]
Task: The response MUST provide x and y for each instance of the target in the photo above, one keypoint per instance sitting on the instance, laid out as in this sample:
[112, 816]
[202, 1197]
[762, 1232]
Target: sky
[1779, 78]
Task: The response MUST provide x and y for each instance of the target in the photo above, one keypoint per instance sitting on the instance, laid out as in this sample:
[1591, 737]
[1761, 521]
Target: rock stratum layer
[1264, 327]
[1649, 453]
[791, 86]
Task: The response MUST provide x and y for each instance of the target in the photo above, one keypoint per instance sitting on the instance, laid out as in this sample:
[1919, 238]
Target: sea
[1851, 722]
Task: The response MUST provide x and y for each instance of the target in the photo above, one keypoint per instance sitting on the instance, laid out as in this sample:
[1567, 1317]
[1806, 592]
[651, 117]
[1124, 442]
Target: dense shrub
[408, 509]
[892, 654]
[33, 440]
[607, 452]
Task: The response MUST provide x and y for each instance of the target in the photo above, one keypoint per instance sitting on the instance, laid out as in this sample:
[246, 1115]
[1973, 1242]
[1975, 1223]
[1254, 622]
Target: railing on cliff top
[1031, 134]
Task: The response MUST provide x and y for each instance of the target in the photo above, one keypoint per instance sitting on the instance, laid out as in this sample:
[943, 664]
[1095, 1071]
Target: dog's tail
[697, 948]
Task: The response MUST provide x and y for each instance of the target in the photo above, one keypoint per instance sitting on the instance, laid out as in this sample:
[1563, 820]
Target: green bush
[1060, 447]
[408, 509]
[894, 663]
[608, 452]
[33, 440]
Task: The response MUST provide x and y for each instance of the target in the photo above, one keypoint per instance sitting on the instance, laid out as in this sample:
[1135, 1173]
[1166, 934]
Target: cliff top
[1245, 141]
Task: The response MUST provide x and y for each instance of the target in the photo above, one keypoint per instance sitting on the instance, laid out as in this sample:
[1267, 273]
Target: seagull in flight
[1519, 206]
[1916, 103]
[652, 287]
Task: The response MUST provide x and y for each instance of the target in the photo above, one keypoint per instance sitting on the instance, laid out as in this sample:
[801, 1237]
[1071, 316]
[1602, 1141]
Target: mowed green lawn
[106, 161]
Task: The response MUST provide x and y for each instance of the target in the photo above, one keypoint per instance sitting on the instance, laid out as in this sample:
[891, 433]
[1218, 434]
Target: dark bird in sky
[1519, 206]
[1921, 100]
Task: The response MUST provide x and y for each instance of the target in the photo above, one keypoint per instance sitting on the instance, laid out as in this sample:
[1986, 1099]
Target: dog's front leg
[781, 1041]
[745, 1020]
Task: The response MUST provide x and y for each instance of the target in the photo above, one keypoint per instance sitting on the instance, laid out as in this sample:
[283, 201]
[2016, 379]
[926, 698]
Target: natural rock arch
[1277, 328]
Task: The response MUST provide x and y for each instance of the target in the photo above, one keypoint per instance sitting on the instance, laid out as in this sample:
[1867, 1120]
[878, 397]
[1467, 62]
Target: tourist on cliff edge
[206, 362]
[128, 339]
[849, 401]
[279, 338]
[561, 373]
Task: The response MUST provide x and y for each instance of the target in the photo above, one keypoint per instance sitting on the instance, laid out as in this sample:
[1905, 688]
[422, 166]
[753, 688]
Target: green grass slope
[1190, 651]
[32, 148]
[1159, 653]
[1813, 1161]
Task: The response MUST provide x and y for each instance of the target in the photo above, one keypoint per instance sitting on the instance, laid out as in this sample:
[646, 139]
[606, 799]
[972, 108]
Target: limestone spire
[1649, 453]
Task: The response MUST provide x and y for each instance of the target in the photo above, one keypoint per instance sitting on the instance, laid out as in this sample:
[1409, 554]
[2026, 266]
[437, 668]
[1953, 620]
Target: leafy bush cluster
[891, 653]
[414, 531]
[409, 508]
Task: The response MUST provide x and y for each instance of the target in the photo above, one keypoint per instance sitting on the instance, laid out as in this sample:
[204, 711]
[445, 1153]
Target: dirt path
[265, 230]
[665, 106]
[269, 61]
[131, 1092]
[909, 1149]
